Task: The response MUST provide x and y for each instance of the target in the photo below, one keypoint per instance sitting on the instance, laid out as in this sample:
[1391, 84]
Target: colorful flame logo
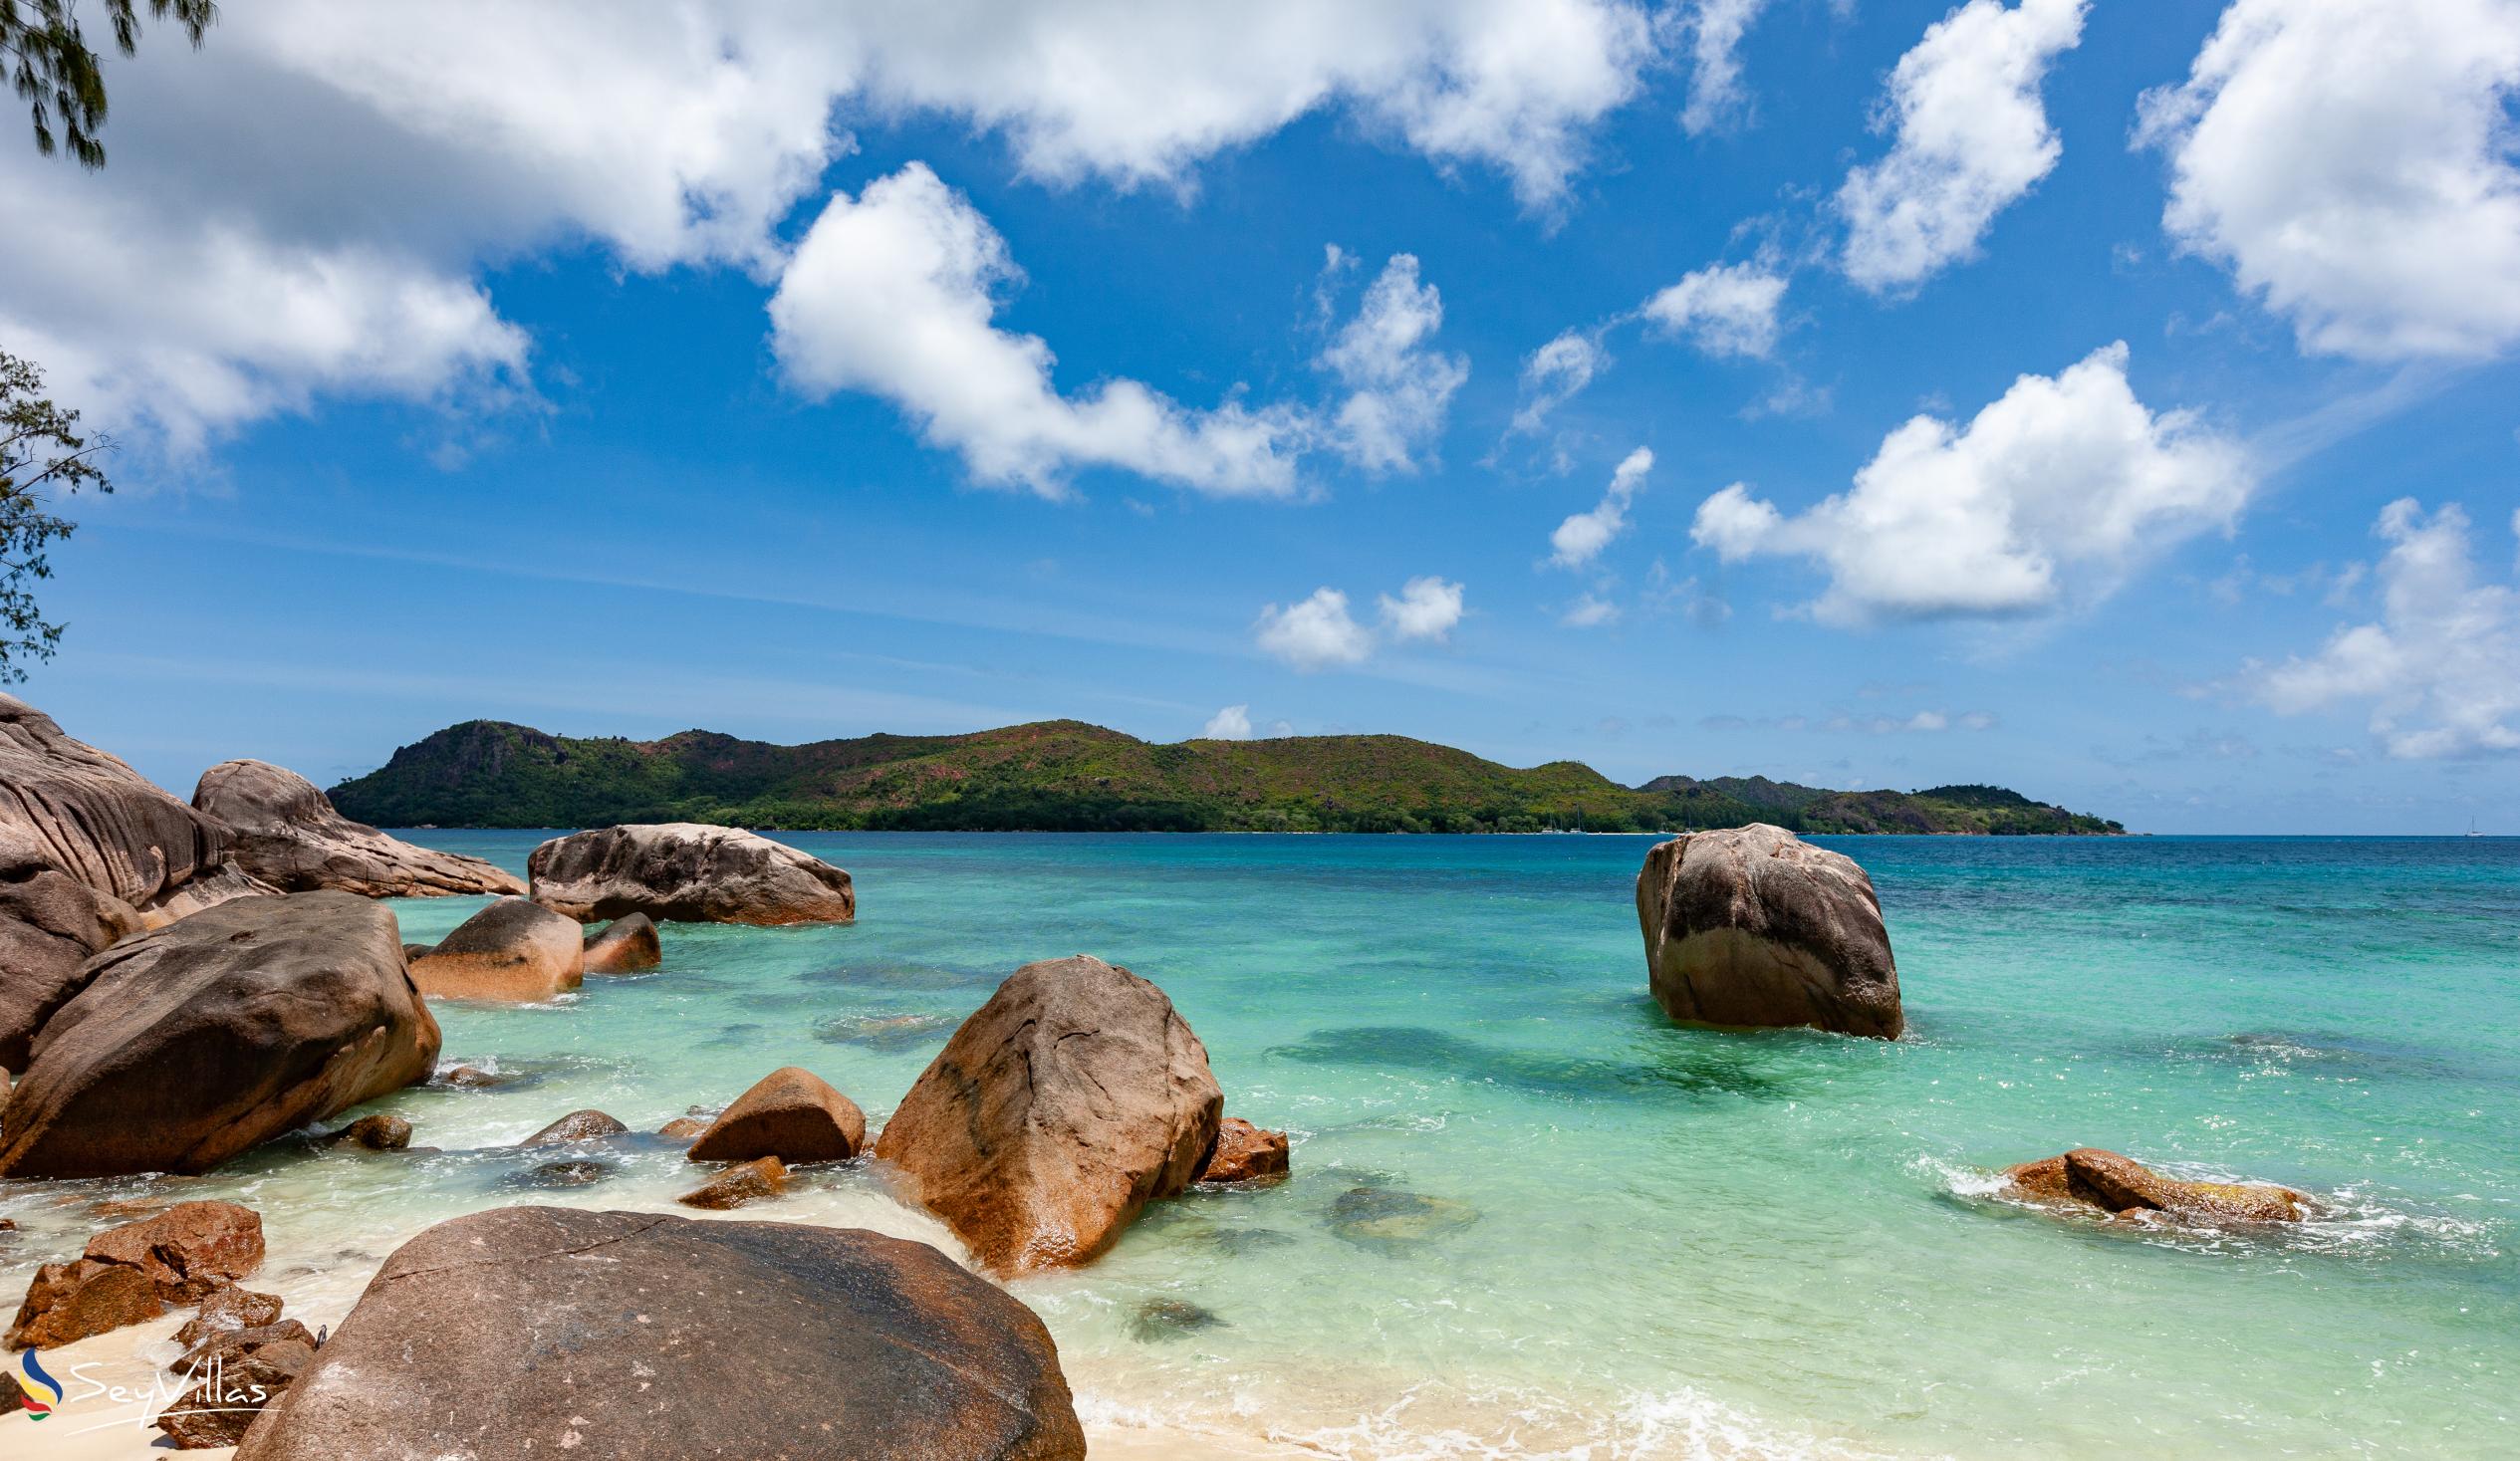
[43, 1393]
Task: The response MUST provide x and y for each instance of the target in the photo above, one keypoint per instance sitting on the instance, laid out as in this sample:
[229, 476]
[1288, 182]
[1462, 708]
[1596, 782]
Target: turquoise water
[1645, 1241]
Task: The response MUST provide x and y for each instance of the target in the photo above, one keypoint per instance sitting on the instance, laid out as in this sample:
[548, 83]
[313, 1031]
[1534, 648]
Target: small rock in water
[883, 1032]
[746, 1183]
[575, 1172]
[1158, 1320]
[1394, 1221]
[1245, 1153]
[2107, 1184]
[376, 1133]
[790, 1113]
[473, 1078]
[683, 1129]
[625, 946]
[579, 1125]
[1238, 1241]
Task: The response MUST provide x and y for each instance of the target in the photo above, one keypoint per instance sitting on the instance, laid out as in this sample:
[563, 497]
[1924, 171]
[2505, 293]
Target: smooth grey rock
[288, 833]
[688, 872]
[1753, 927]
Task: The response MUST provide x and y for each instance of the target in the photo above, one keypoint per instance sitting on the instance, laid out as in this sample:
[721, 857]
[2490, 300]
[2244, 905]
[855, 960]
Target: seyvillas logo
[43, 1393]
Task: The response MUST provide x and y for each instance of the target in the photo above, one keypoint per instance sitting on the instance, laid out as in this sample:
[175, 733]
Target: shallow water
[1529, 1217]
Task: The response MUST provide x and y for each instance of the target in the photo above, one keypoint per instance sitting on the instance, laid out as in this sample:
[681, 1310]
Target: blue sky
[2070, 399]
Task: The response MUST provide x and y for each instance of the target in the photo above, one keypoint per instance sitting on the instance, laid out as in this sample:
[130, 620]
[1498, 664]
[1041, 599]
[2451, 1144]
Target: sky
[2114, 401]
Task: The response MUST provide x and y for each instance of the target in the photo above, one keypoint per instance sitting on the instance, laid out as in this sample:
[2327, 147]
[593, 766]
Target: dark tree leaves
[56, 74]
[41, 453]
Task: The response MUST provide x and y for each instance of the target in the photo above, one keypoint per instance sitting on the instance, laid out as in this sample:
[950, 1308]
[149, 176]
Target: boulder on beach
[1064, 1105]
[750, 1181]
[107, 827]
[790, 1113]
[287, 833]
[50, 923]
[1753, 927]
[190, 1043]
[1245, 1153]
[514, 950]
[238, 1380]
[625, 946]
[2091, 1180]
[228, 1310]
[690, 1337]
[135, 1272]
[688, 872]
[580, 1125]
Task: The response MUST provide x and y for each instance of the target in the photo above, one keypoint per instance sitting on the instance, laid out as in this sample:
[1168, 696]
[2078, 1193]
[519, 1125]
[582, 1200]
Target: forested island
[1068, 776]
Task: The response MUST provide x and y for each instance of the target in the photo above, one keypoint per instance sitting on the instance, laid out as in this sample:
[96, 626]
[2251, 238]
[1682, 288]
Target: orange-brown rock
[227, 1311]
[790, 1113]
[512, 950]
[135, 1273]
[1753, 927]
[1063, 1106]
[690, 872]
[685, 1339]
[378, 1133]
[625, 946]
[683, 1129]
[232, 1391]
[1245, 1153]
[197, 1041]
[2091, 1179]
[744, 1182]
[287, 833]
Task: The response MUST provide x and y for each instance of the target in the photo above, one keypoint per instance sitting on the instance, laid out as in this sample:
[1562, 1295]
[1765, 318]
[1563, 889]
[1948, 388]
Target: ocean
[1529, 1217]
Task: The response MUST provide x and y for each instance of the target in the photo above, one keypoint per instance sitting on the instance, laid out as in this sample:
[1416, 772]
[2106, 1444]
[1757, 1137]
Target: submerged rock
[578, 1126]
[288, 833]
[2090, 1179]
[842, 1343]
[763, 1176]
[571, 1172]
[133, 1273]
[513, 949]
[1394, 1221]
[883, 1031]
[1170, 1319]
[790, 1113]
[214, 1034]
[1064, 1105]
[625, 946]
[1245, 1153]
[1754, 927]
[689, 872]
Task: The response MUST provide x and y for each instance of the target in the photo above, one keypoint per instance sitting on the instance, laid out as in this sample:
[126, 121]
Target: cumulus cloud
[1726, 309]
[1716, 98]
[1427, 608]
[1399, 384]
[2351, 162]
[1590, 612]
[891, 293]
[1315, 632]
[1969, 136]
[1582, 536]
[1233, 723]
[2439, 669]
[2053, 492]
[238, 260]
[1555, 373]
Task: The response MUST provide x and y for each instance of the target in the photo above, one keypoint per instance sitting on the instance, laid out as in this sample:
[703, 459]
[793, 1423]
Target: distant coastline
[1068, 776]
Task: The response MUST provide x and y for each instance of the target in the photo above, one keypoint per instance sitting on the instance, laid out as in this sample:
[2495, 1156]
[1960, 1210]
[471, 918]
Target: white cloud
[1582, 536]
[1398, 384]
[1427, 608]
[2351, 162]
[1590, 612]
[1726, 308]
[2441, 668]
[236, 260]
[1555, 373]
[891, 293]
[1233, 723]
[2052, 493]
[1715, 96]
[1313, 633]
[1971, 137]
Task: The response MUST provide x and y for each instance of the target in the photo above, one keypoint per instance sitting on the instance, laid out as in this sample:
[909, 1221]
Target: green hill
[1067, 776]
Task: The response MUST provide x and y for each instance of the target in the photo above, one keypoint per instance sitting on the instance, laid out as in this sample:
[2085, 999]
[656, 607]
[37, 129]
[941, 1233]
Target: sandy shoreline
[89, 1426]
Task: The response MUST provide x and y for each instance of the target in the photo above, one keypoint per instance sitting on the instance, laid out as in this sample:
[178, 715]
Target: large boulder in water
[627, 1337]
[50, 923]
[1064, 1105]
[1754, 927]
[188, 1045]
[686, 872]
[2107, 1184]
[513, 949]
[790, 1113]
[288, 833]
[626, 945]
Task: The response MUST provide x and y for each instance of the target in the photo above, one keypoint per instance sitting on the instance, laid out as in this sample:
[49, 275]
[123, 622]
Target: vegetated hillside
[1067, 776]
